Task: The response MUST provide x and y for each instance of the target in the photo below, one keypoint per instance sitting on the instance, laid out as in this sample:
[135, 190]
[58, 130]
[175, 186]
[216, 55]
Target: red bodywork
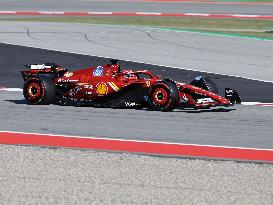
[94, 84]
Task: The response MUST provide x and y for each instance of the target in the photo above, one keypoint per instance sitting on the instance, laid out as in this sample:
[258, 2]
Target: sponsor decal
[67, 81]
[229, 92]
[102, 88]
[39, 67]
[198, 77]
[88, 86]
[204, 100]
[74, 91]
[130, 104]
[146, 98]
[114, 86]
[148, 84]
[98, 71]
[184, 99]
[68, 74]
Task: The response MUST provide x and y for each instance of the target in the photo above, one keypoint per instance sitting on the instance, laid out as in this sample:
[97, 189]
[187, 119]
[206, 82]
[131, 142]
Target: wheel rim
[160, 96]
[33, 91]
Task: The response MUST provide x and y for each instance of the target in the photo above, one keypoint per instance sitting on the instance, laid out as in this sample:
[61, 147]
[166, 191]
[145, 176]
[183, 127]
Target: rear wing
[51, 69]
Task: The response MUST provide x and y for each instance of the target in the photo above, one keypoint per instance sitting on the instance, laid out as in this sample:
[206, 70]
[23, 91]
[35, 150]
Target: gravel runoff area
[35, 175]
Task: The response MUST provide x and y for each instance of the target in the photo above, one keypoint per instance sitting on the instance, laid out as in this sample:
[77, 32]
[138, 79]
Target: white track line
[12, 89]
[258, 104]
[126, 13]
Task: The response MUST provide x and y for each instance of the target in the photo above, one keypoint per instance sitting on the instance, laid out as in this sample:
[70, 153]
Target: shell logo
[102, 88]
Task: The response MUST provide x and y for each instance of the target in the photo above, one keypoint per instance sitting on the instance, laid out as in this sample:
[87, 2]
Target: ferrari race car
[109, 86]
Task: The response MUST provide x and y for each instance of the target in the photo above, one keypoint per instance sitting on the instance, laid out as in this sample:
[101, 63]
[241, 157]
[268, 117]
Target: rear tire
[39, 91]
[164, 96]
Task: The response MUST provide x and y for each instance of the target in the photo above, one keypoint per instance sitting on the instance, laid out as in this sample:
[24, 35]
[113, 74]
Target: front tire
[211, 85]
[39, 91]
[164, 96]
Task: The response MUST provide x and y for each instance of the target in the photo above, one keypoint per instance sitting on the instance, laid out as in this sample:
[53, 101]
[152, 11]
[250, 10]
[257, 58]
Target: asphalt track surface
[166, 7]
[243, 57]
[241, 126]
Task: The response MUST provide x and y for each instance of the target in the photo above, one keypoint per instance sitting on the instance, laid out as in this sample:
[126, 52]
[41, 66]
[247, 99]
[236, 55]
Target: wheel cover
[33, 91]
[160, 96]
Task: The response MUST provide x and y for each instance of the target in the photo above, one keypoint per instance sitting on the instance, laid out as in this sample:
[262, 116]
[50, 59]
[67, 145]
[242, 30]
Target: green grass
[248, 27]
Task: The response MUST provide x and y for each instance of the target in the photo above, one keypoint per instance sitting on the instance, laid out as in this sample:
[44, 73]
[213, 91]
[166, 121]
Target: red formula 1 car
[109, 86]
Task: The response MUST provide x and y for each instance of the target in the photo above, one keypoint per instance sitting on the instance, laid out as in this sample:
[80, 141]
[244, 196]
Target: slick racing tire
[39, 91]
[164, 96]
[205, 83]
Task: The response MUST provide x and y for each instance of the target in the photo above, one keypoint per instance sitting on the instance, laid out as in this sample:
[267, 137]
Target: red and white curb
[200, 15]
[136, 146]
